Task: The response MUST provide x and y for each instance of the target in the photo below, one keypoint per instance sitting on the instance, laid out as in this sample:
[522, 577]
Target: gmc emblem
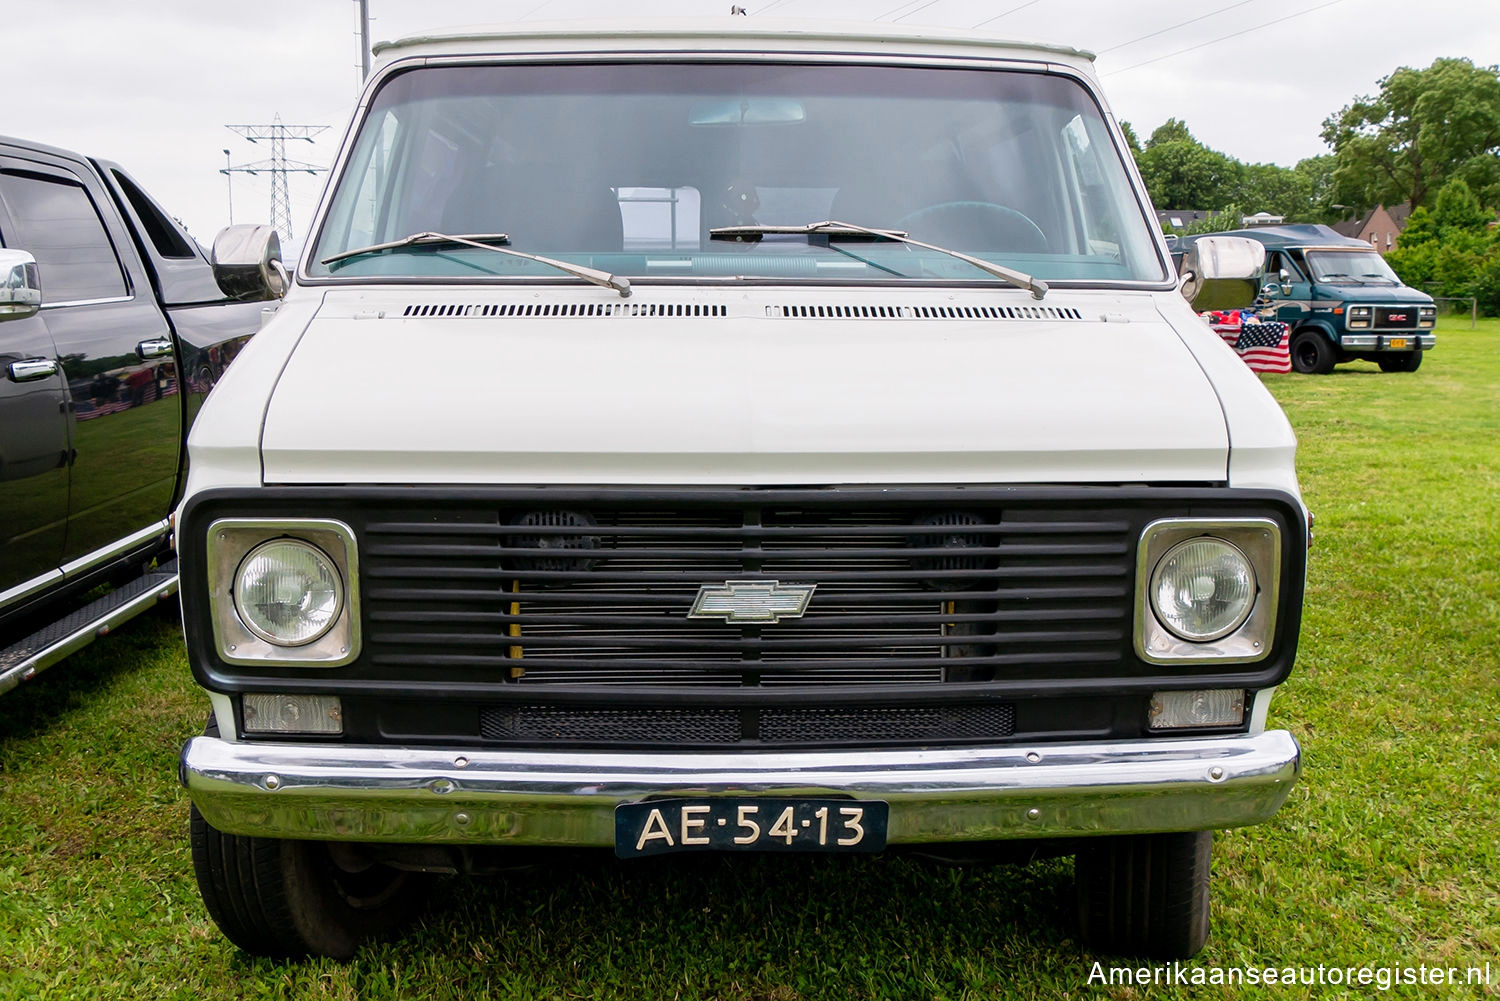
[1396, 317]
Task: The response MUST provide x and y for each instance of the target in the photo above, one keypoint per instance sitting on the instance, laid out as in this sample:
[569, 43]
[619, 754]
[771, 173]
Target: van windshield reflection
[627, 169]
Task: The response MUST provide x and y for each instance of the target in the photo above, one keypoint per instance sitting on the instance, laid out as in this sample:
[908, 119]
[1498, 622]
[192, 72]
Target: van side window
[1276, 262]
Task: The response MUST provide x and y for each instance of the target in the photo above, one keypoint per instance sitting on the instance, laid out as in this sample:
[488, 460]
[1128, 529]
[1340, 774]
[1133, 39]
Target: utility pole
[278, 166]
[229, 185]
[364, 39]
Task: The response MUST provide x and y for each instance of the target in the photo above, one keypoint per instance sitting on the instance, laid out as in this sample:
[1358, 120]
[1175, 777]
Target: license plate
[667, 826]
[1397, 342]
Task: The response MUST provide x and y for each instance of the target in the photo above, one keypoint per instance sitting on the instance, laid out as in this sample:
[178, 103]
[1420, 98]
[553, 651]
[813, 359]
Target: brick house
[1379, 227]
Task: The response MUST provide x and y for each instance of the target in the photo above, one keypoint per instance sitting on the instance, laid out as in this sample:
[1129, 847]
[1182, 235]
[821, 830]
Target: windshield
[626, 168]
[1350, 267]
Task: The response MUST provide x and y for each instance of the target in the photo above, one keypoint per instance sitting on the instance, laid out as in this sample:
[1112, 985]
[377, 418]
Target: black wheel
[1145, 894]
[1406, 361]
[273, 897]
[1313, 353]
[970, 225]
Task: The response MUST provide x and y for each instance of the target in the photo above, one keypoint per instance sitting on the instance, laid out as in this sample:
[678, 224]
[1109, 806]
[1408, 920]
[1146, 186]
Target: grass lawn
[1387, 854]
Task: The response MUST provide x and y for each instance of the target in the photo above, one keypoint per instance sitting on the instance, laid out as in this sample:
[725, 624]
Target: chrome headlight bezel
[231, 540]
[1259, 539]
[1359, 317]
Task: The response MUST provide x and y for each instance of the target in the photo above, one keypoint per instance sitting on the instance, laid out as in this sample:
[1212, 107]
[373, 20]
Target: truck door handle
[154, 348]
[31, 369]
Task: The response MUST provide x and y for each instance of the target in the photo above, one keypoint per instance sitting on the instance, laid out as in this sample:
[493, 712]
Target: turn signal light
[320, 714]
[1197, 708]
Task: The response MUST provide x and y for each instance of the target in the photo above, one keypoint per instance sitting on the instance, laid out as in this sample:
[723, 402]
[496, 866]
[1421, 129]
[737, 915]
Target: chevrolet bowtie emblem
[751, 601]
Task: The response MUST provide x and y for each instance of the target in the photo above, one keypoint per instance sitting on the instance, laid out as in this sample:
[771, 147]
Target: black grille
[578, 593]
[708, 726]
[1395, 317]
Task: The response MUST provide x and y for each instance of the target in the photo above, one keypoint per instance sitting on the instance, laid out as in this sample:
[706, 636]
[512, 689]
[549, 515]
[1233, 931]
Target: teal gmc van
[1341, 300]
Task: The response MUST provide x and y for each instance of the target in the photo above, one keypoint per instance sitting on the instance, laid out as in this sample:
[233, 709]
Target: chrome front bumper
[1382, 342]
[502, 797]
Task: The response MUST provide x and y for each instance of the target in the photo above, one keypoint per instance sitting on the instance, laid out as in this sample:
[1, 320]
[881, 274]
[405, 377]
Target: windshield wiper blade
[833, 227]
[485, 241]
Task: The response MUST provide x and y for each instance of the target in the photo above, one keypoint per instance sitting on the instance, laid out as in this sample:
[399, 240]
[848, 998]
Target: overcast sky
[152, 83]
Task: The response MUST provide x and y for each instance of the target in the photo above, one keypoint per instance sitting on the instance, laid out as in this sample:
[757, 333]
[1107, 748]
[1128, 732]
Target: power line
[909, 13]
[899, 6]
[1007, 13]
[772, 6]
[1225, 38]
[278, 166]
[1182, 24]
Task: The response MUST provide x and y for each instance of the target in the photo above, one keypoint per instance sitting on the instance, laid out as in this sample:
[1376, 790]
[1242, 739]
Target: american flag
[1263, 345]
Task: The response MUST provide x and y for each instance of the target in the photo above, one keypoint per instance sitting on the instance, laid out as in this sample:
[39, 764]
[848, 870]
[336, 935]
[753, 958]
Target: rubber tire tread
[1145, 895]
[271, 897]
[240, 881]
[1325, 356]
[1409, 361]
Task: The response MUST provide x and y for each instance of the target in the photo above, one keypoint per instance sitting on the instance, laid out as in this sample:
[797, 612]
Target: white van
[735, 436]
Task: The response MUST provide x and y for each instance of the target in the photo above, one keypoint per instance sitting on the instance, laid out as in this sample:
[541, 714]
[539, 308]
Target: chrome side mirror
[1221, 272]
[1286, 281]
[20, 285]
[247, 263]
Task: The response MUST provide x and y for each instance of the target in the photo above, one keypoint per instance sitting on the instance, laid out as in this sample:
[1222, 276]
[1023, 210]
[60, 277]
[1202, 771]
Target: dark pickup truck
[114, 324]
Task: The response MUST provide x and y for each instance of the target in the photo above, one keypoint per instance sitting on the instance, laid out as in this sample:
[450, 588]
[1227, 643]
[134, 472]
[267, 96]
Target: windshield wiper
[485, 241]
[832, 227]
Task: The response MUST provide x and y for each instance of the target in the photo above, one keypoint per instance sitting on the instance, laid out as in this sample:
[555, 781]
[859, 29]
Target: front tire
[1313, 353]
[1406, 361]
[1145, 894]
[274, 897]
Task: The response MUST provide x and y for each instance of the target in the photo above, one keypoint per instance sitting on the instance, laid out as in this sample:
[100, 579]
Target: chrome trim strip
[333, 791]
[52, 577]
[88, 302]
[81, 637]
[116, 548]
[1379, 342]
[26, 590]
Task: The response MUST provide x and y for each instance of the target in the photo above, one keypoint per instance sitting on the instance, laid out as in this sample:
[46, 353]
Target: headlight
[284, 591]
[1203, 589]
[1207, 590]
[1359, 316]
[1427, 316]
[288, 592]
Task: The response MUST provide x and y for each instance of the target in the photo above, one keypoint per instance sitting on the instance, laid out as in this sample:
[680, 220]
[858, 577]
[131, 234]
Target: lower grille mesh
[710, 726]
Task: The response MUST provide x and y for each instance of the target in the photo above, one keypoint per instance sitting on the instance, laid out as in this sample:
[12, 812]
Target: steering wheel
[975, 224]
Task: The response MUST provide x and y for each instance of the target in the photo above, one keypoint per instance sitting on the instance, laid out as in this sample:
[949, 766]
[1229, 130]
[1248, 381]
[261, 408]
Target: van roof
[1298, 235]
[731, 33]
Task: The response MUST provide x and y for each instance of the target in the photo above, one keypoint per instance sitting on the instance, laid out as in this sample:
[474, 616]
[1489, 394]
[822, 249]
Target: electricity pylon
[278, 166]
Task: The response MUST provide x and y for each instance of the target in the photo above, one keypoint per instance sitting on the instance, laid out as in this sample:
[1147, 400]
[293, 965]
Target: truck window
[164, 236]
[55, 220]
[1015, 167]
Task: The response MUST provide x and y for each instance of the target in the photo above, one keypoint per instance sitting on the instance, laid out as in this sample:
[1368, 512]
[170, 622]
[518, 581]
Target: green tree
[1458, 208]
[1451, 249]
[1281, 191]
[1181, 172]
[1131, 140]
[1423, 128]
[1170, 131]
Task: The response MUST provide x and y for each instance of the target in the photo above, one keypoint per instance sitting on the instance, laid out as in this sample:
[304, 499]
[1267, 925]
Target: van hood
[1372, 293]
[758, 387]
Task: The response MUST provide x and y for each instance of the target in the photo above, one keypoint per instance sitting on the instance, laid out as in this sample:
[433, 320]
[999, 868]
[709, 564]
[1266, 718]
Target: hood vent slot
[925, 312]
[563, 310]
